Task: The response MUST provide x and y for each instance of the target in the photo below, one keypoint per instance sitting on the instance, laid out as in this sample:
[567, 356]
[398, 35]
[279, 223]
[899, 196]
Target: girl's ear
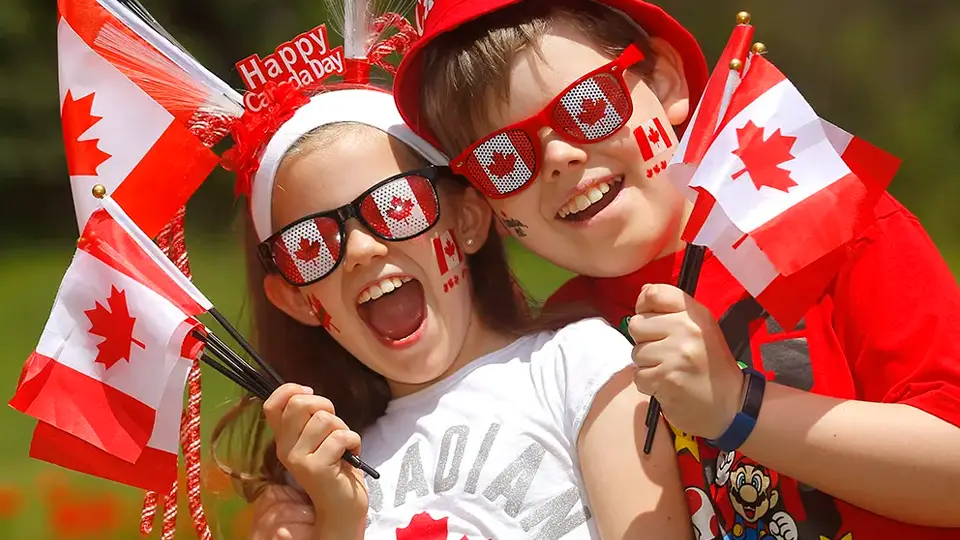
[288, 299]
[473, 221]
[669, 82]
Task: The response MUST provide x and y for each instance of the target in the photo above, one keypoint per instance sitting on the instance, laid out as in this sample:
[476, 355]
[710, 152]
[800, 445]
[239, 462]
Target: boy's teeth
[384, 286]
[584, 200]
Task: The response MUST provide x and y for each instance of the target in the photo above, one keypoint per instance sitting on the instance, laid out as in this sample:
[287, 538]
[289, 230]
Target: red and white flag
[506, 161]
[652, 138]
[447, 251]
[778, 191]
[401, 208]
[156, 468]
[111, 343]
[124, 107]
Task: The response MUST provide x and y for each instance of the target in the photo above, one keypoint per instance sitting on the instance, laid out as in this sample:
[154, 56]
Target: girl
[873, 369]
[388, 296]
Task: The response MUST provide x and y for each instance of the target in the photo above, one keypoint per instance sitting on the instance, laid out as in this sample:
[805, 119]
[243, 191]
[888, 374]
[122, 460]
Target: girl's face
[603, 209]
[404, 308]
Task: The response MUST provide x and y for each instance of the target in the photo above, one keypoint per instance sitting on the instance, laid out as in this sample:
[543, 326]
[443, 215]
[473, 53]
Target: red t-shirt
[887, 330]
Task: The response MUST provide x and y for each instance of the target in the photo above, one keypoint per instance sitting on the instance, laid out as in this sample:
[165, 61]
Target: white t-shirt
[491, 451]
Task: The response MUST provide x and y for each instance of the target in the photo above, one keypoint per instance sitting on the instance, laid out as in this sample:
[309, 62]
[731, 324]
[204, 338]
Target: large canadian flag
[112, 341]
[156, 468]
[123, 121]
[778, 191]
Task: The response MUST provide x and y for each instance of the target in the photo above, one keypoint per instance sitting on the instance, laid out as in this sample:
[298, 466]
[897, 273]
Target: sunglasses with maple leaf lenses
[590, 110]
[398, 208]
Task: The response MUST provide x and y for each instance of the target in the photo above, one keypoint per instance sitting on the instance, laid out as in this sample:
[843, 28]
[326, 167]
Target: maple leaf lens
[308, 250]
[401, 208]
[593, 109]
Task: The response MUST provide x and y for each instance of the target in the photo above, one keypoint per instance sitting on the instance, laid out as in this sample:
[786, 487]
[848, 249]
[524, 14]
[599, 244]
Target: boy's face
[603, 209]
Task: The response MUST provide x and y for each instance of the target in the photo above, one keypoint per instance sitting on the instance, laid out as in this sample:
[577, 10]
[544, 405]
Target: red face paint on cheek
[321, 313]
[653, 172]
[447, 253]
[652, 138]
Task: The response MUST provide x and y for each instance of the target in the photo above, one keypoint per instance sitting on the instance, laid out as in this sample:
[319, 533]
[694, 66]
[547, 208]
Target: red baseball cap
[447, 15]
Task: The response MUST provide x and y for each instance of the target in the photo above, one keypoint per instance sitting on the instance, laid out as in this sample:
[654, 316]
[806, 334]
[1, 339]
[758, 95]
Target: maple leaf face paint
[595, 199]
[366, 234]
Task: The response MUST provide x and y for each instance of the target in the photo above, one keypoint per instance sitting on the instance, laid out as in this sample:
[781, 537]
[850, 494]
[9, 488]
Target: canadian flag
[112, 341]
[401, 208]
[447, 249]
[505, 160]
[309, 249]
[594, 107]
[118, 128]
[778, 191]
[652, 138]
[156, 468]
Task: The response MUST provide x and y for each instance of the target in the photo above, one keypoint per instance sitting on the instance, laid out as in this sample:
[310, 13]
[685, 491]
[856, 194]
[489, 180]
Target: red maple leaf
[654, 136]
[321, 313]
[501, 165]
[400, 209]
[762, 157]
[449, 248]
[649, 173]
[592, 111]
[83, 157]
[309, 249]
[115, 326]
[424, 527]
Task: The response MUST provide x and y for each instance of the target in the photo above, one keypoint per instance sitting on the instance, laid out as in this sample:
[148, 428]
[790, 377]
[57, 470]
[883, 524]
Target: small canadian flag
[448, 251]
[652, 138]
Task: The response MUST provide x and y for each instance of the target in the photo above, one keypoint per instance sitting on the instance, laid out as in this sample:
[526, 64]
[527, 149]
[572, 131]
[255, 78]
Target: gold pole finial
[743, 17]
[99, 191]
[759, 48]
[736, 64]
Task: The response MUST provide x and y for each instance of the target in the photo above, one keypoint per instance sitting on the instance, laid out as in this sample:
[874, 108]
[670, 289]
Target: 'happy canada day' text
[301, 61]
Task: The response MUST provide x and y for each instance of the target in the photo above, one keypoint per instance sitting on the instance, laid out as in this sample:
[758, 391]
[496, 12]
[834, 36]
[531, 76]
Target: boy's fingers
[660, 298]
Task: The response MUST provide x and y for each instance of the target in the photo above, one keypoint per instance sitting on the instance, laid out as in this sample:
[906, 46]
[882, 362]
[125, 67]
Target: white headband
[370, 107]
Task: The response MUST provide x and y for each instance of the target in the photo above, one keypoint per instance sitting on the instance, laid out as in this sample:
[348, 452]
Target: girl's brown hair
[310, 356]
[466, 72]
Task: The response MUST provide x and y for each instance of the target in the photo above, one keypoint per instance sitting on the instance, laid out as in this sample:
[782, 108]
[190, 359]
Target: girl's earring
[469, 241]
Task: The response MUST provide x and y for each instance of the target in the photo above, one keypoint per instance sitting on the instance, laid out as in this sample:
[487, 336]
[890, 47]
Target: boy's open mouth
[586, 205]
[394, 307]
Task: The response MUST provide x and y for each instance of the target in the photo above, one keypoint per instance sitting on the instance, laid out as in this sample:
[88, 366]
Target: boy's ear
[670, 83]
[288, 299]
[473, 221]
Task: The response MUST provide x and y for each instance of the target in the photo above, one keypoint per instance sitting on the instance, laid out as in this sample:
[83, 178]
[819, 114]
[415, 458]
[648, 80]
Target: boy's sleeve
[588, 354]
[897, 315]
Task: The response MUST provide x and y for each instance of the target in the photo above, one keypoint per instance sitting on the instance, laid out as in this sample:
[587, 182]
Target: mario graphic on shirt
[754, 495]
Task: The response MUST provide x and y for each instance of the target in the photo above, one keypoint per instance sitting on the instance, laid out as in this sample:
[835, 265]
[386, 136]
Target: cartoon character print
[754, 494]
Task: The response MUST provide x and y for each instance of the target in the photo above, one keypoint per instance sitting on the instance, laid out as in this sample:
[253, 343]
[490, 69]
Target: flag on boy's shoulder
[112, 341]
[125, 107]
[156, 467]
[778, 191]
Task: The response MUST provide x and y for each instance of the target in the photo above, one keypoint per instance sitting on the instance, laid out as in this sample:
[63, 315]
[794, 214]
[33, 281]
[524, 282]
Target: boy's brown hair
[466, 73]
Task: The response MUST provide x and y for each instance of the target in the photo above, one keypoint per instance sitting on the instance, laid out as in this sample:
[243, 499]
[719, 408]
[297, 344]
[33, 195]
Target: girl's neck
[480, 341]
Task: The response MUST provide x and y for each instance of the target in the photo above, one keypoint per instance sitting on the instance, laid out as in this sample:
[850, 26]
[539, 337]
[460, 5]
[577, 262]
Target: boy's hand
[683, 360]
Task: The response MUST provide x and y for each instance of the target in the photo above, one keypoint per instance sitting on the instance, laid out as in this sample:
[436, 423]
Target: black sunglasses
[399, 208]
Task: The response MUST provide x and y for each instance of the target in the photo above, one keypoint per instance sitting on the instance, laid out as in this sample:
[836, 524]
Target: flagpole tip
[743, 17]
[758, 48]
[736, 64]
[99, 191]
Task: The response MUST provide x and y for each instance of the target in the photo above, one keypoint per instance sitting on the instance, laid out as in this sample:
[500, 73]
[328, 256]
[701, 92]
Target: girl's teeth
[385, 286]
[583, 201]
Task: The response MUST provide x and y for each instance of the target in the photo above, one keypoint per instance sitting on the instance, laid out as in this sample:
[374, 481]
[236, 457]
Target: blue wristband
[746, 419]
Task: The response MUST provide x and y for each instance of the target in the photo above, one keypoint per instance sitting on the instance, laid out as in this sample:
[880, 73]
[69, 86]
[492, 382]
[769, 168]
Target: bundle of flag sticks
[261, 384]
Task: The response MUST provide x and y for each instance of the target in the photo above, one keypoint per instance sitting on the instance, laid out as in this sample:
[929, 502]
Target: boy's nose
[560, 156]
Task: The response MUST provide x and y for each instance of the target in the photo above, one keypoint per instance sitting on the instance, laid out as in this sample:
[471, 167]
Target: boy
[567, 129]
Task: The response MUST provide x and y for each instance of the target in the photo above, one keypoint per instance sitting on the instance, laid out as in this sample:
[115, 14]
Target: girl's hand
[310, 442]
